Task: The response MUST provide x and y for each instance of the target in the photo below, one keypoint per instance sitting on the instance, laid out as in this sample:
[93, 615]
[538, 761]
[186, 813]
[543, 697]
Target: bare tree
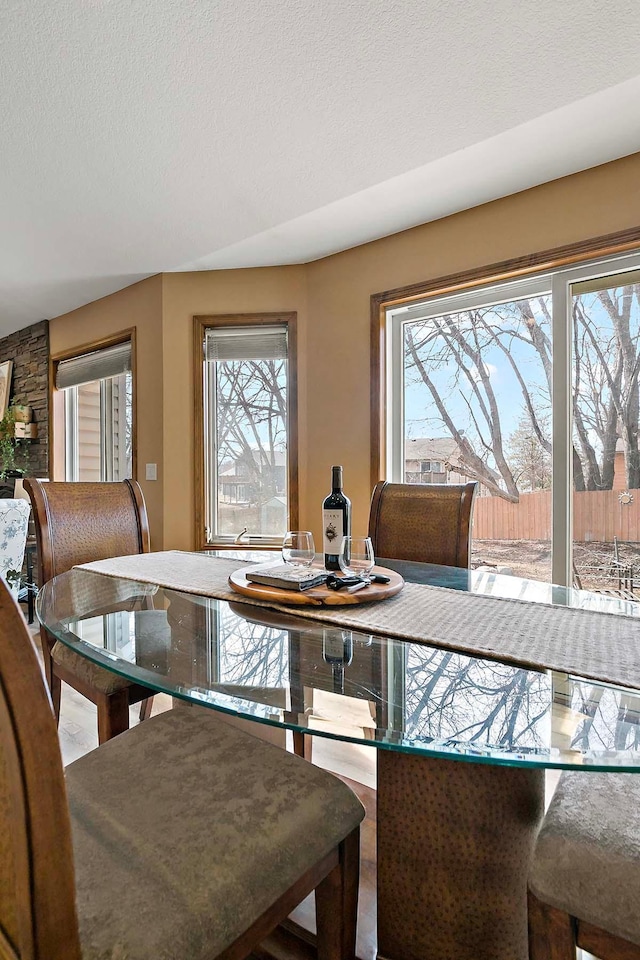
[451, 356]
[606, 365]
[251, 414]
[529, 459]
[455, 698]
[458, 345]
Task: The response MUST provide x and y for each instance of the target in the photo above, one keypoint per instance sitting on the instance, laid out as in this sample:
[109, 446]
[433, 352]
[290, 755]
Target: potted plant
[24, 427]
[22, 412]
[13, 454]
[7, 444]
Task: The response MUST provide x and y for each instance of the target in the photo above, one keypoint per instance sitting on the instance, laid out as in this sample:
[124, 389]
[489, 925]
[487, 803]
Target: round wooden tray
[317, 596]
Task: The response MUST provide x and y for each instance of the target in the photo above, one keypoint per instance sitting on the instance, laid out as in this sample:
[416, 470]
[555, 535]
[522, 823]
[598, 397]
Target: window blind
[110, 362]
[475, 297]
[605, 282]
[246, 343]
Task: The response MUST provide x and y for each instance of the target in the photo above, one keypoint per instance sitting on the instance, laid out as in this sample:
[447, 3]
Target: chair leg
[53, 682]
[113, 715]
[302, 745]
[145, 709]
[337, 904]
[551, 932]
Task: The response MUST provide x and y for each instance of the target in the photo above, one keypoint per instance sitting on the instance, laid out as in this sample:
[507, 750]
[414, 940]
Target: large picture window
[95, 390]
[247, 487]
[532, 388]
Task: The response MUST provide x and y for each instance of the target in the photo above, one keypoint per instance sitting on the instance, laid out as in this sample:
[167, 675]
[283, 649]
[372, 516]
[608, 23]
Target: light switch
[151, 471]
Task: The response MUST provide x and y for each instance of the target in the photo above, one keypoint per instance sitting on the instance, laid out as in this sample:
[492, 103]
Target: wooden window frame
[56, 418]
[548, 260]
[200, 325]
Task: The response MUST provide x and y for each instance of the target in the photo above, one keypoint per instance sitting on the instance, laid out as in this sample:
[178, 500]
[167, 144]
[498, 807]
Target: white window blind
[474, 298]
[110, 362]
[246, 343]
[606, 282]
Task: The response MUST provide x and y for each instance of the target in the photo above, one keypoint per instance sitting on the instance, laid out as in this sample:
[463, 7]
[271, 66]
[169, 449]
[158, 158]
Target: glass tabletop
[391, 694]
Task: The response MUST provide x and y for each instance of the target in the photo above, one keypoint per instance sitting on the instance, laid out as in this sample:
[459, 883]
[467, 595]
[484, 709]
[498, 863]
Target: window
[471, 375]
[431, 466]
[247, 480]
[96, 392]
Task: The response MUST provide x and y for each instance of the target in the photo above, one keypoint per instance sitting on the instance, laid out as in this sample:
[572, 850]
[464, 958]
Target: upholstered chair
[14, 520]
[584, 885]
[181, 838]
[426, 523]
[77, 523]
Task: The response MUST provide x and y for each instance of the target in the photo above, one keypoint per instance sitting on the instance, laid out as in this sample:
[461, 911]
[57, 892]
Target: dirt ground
[594, 562]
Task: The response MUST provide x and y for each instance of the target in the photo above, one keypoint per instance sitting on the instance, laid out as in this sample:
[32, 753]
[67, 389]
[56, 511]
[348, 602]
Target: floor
[78, 735]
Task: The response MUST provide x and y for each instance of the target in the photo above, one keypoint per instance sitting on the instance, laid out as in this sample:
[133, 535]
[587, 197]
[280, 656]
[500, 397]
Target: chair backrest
[81, 522]
[37, 892]
[427, 523]
[14, 520]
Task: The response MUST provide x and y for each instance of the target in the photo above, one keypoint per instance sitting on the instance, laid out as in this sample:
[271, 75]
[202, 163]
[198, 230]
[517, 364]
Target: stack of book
[286, 576]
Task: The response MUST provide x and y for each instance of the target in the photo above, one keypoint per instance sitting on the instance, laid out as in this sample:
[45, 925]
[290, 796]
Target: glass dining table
[462, 741]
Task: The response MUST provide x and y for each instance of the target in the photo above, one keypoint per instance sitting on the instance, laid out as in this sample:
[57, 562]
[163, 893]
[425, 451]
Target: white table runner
[596, 645]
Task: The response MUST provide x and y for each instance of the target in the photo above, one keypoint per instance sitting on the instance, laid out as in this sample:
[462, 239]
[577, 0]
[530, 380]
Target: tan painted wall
[599, 201]
[331, 297]
[139, 306]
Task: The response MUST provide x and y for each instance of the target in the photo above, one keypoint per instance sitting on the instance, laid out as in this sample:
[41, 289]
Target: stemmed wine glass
[356, 558]
[298, 548]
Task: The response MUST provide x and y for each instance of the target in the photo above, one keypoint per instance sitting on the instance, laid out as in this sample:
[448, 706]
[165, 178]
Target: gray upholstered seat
[185, 830]
[587, 858]
[90, 673]
[153, 639]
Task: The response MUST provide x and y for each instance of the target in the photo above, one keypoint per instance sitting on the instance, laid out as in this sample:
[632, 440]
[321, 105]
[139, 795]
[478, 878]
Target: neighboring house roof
[229, 467]
[433, 448]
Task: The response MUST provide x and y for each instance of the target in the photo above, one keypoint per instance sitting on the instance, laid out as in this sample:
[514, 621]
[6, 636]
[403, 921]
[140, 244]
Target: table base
[454, 844]
[456, 839]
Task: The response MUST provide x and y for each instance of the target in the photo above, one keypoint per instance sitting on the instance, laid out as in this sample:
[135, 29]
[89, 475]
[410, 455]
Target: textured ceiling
[173, 134]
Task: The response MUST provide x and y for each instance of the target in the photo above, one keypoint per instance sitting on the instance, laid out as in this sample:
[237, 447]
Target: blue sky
[422, 418]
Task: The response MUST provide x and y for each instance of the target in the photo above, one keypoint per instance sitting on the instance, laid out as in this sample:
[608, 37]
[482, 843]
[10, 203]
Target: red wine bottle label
[332, 530]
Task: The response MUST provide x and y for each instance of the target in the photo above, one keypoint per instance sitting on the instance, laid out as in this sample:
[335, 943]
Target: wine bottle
[337, 651]
[336, 520]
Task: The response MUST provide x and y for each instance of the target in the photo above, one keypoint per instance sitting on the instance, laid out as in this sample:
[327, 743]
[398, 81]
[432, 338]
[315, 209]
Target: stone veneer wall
[29, 350]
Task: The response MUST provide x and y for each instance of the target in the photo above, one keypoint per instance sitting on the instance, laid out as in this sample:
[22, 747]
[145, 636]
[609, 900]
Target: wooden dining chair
[426, 523]
[183, 837]
[423, 522]
[77, 523]
[584, 884]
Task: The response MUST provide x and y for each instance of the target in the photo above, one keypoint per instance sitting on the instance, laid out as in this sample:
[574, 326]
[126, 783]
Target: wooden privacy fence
[597, 515]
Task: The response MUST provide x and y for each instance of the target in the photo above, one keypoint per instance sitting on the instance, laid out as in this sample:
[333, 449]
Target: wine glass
[298, 548]
[356, 557]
